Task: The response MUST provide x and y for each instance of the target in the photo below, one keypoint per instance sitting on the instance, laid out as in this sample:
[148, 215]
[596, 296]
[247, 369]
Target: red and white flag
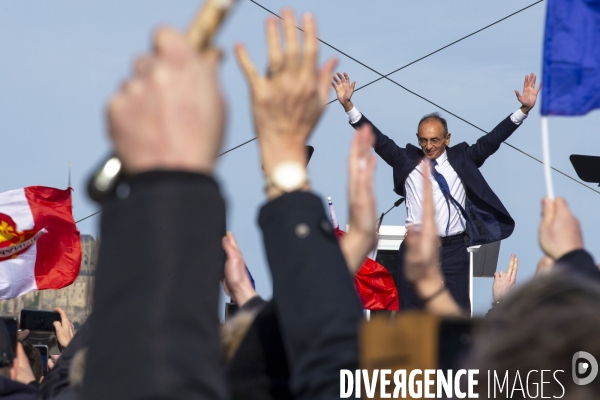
[39, 241]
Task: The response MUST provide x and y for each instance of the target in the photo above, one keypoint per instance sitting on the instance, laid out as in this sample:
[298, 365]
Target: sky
[61, 61]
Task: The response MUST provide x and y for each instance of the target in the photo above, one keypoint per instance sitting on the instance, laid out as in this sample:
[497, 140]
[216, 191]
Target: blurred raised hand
[170, 114]
[361, 238]
[422, 259]
[236, 283]
[560, 232]
[344, 90]
[504, 282]
[288, 101]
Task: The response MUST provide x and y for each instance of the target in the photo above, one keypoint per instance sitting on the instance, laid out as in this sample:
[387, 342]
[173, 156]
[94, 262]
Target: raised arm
[490, 143]
[385, 147]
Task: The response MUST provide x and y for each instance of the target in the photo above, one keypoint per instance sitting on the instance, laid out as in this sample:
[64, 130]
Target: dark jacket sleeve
[490, 142]
[385, 147]
[579, 261]
[154, 334]
[316, 304]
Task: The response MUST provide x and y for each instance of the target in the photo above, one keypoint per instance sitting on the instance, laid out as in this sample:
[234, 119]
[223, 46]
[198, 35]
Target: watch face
[289, 176]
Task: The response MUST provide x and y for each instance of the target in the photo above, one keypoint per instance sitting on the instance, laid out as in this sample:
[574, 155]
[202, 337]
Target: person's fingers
[232, 239]
[538, 89]
[276, 59]
[22, 334]
[548, 211]
[525, 82]
[341, 77]
[292, 47]
[172, 46]
[347, 78]
[57, 325]
[532, 80]
[246, 64]
[143, 65]
[323, 79]
[63, 314]
[311, 47]
[514, 270]
[428, 227]
[353, 84]
[336, 80]
[517, 94]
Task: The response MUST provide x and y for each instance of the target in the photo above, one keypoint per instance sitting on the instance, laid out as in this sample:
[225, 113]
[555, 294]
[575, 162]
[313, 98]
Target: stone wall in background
[75, 299]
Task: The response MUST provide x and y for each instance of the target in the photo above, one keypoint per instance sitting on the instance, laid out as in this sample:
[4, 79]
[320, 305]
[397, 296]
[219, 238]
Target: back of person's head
[7, 353]
[539, 327]
[35, 360]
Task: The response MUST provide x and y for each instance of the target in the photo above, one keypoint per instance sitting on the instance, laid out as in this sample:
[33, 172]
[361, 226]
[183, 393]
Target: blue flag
[571, 73]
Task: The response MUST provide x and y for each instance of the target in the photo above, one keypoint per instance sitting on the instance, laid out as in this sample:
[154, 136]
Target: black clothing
[154, 334]
[13, 390]
[259, 369]
[454, 259]
[315, 301]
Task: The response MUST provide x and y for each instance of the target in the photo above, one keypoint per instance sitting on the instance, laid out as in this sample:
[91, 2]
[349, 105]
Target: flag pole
[546, 158]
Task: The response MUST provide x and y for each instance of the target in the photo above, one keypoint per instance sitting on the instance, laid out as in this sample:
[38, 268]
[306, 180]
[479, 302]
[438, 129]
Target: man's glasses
[434, 141]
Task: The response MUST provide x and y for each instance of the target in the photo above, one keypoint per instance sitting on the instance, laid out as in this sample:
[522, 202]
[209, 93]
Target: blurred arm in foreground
[314, 298]
[161, 257]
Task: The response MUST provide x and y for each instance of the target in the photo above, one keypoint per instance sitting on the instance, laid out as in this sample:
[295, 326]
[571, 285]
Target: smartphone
[44, 354]
[11, 326]
[38, 320]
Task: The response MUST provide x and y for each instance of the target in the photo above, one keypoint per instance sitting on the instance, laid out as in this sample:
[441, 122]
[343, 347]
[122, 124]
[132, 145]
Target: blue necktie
[439, 178]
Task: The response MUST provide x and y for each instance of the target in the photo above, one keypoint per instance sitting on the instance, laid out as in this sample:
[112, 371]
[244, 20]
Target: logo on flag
[13, 242]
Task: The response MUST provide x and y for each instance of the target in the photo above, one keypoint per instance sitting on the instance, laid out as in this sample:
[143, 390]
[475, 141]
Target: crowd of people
[154, 331]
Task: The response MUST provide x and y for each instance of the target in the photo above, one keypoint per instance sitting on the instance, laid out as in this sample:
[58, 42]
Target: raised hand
[361, 238]
[289, 100]
[236, 283]
[422, 259]
[530, 93]
[504, 282]
[560, 232]
[171, 113]
[65, 331]
[344, 90]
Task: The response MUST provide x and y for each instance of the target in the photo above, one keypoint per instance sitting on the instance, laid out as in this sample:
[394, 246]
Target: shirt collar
[442, 158]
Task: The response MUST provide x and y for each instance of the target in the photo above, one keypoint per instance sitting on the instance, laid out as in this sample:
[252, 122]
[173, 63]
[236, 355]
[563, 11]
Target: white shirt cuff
[518, 117]
[353, 115]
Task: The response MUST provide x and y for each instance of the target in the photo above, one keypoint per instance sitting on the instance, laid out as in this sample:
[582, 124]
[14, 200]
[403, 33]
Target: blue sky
[60, 62]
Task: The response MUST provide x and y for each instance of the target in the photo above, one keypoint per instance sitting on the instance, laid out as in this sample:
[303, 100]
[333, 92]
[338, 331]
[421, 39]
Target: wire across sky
[387, 77]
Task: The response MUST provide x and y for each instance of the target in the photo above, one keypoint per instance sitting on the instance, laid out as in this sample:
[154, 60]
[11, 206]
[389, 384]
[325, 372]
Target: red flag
[39, 242]
[374, 284]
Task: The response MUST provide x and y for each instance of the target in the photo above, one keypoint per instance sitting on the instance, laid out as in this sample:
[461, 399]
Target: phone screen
[36, 320]
[11, 327]
[44, 354]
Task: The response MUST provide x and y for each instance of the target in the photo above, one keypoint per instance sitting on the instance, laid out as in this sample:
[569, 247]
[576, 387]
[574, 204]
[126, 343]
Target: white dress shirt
[413, 188]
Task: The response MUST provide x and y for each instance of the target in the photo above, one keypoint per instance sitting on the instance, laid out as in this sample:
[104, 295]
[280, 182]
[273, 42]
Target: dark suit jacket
[491, 221]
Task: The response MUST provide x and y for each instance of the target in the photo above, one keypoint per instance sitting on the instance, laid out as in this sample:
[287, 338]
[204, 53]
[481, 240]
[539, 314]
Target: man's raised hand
[289, 100]
[344, 90]
[530, 93]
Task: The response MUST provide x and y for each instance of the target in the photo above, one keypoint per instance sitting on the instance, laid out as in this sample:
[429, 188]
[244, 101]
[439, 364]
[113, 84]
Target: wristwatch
[287, 176]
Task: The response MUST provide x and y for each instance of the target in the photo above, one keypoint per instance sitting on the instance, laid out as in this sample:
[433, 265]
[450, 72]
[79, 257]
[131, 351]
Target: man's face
[432, 139]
